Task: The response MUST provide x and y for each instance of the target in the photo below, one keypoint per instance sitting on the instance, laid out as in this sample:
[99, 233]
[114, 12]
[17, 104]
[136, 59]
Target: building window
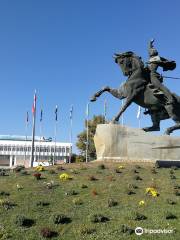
[67, 150]
[9, 148]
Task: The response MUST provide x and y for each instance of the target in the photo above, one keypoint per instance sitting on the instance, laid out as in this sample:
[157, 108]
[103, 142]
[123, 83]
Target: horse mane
[130, 54]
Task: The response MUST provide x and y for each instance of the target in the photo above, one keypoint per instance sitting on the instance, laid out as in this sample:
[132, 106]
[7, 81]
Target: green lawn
[109, 186]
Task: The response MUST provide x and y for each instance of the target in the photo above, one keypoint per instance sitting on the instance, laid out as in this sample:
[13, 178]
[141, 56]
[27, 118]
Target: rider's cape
[167, 64]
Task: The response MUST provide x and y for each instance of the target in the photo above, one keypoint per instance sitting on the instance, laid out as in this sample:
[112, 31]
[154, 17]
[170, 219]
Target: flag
[56, 112]
[34, 104]
[139, 112]
[71, 112]
[27, 117]
[41, 115]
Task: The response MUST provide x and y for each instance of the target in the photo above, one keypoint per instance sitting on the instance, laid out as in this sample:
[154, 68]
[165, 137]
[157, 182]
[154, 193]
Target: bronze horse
[139, 90]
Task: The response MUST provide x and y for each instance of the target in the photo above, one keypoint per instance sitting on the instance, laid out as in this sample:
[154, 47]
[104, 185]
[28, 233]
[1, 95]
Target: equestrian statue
[144, 86]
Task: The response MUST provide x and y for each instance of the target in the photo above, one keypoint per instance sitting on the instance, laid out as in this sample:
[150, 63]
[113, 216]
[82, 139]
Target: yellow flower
[64, 176]
[120, 167]
[152, 191]
[141, 203]
[39, 168]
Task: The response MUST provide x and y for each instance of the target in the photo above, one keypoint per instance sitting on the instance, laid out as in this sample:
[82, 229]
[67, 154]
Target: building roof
[24, 138]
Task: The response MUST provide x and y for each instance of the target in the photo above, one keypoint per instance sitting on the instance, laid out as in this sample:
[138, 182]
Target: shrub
[101, 166]
[157, 165]
[112, 202]
[174, 168]
[85, 230]
[132, 186]
[97, 218]
[37, 176]
[138, 216]
[126, 229]
[177, 192]
[138, 178]
[118, 170]
[171, 201]
[176, 186]
[22, 221]
[71, 193]
[24, 172]
[135, 171]
[84, 186]
[74, 171]
[19, 187]
[172, 176]
[111, 178]
[3, 193]
[19, 168]
[137, 166]
[153, 171]
[60, 219]
[170, 215]
[83, 167]
[94, 192]
[130, 192]
[42, 204]
[92, 178]
[6, 204]
[52, 171]
[121, 167]
[48, 233]
[77, 201]
[2, 172]
[60, 168]
[171, 171]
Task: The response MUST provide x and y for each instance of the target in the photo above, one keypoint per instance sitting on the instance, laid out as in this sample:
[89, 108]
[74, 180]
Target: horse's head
[128, 62]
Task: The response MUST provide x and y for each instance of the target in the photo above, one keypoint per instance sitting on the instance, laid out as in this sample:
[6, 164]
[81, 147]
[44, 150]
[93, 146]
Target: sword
[170, 77]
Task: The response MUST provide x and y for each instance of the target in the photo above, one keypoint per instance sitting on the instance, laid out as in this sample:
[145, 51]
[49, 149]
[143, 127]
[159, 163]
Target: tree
[82, 137]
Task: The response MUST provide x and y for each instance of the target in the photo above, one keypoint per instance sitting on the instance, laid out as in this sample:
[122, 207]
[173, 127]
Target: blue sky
[64, 48]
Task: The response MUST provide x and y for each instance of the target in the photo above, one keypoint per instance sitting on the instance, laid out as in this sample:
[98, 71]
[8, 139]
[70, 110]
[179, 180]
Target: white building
[16, 150]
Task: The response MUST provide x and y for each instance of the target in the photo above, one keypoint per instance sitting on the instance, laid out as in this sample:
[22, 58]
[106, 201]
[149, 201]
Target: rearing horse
[138, 89]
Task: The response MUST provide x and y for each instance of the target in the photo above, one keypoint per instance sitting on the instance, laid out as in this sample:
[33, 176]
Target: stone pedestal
[116, 142]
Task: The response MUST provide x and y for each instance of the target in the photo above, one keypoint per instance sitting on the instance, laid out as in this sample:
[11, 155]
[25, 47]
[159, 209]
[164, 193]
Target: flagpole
[26, 127]
[122, 116]
[40, 133]
[105, 110]
[139, 116]
[71, 124]
[87, 131]
[33, 130]
[55, 133]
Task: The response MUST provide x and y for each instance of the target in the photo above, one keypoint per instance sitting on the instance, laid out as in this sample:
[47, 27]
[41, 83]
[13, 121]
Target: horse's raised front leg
[98, 94]
[124, 107]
